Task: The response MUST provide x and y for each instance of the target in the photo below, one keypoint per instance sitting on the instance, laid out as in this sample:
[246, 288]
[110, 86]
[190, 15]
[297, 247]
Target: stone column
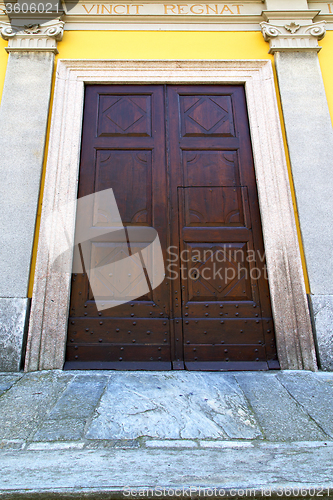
[293, 39]
[23, 123]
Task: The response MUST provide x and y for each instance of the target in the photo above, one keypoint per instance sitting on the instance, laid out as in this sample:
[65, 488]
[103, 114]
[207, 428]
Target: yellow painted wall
[158, 45]
[326, 65]
[162, 45]
[3, 63]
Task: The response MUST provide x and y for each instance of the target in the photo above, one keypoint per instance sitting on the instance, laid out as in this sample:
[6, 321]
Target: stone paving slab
[25, 405]
[178, 405]
[7, 381]
[69, 416]
[63, 429]
[281, 416]
[314, 395]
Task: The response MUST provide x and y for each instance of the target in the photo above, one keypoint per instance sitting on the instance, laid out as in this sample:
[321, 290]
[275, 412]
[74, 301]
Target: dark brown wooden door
[123, 148]
[226, 314]
[179, 159]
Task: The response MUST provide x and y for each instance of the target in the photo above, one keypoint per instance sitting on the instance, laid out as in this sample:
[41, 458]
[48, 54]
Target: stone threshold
[273, 470]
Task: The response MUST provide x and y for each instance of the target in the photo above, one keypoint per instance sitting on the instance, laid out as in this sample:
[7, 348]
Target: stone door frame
[51, 294]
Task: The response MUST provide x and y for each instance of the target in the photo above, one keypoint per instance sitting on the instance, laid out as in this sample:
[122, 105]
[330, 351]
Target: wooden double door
[178, 159]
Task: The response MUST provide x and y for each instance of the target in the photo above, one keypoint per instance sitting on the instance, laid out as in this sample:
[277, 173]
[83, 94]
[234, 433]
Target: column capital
[293, 36]
[33, 37]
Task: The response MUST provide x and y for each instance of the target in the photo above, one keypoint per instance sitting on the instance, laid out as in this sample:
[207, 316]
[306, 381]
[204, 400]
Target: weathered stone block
[322, 307]
[13, 322]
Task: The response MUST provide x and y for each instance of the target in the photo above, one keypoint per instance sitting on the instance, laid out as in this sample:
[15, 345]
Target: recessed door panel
[220, 168]
[124, 115]
[206, 115]
[134, 196]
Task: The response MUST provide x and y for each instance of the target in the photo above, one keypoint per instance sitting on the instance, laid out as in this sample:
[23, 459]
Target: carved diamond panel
[218, 272]
[131, 282]
[124, 115]
[206, 115]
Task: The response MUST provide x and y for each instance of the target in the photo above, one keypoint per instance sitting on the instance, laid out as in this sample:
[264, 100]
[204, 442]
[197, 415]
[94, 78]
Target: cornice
[198, 15]
[285, 15]
[293, 36]
[33, 37]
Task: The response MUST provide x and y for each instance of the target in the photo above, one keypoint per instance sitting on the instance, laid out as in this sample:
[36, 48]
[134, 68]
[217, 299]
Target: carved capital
[33, 37]
[293, 36]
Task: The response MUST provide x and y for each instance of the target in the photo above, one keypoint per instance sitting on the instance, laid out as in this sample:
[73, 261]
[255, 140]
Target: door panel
[124, 115]
[179, 159]
[123, 148]
[134, 198]
[216, 274]
[206, 115]
[215, 206]
[218, 166]
[224, 292]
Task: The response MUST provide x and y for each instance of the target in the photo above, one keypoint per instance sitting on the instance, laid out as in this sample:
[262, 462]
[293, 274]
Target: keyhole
[194, 274]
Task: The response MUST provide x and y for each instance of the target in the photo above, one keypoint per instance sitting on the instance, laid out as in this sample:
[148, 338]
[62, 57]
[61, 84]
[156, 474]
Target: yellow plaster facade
[3, 63]
[325, 61]
[163, 45]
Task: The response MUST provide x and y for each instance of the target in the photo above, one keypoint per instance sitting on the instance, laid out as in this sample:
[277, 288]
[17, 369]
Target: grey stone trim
[322, 307]
[293, 36]
[14, 314]
[23, 121]
[32, 38]
[310, 141]
[245, 16]
[286, 16]
[50, 304]
[286, 4]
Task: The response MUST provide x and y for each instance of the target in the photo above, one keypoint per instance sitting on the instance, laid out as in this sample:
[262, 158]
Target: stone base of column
[322, 313]
[14, 314]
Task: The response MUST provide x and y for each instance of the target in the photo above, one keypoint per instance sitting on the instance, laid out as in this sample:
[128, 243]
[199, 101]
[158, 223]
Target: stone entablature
[33, 37]
[207, 14]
